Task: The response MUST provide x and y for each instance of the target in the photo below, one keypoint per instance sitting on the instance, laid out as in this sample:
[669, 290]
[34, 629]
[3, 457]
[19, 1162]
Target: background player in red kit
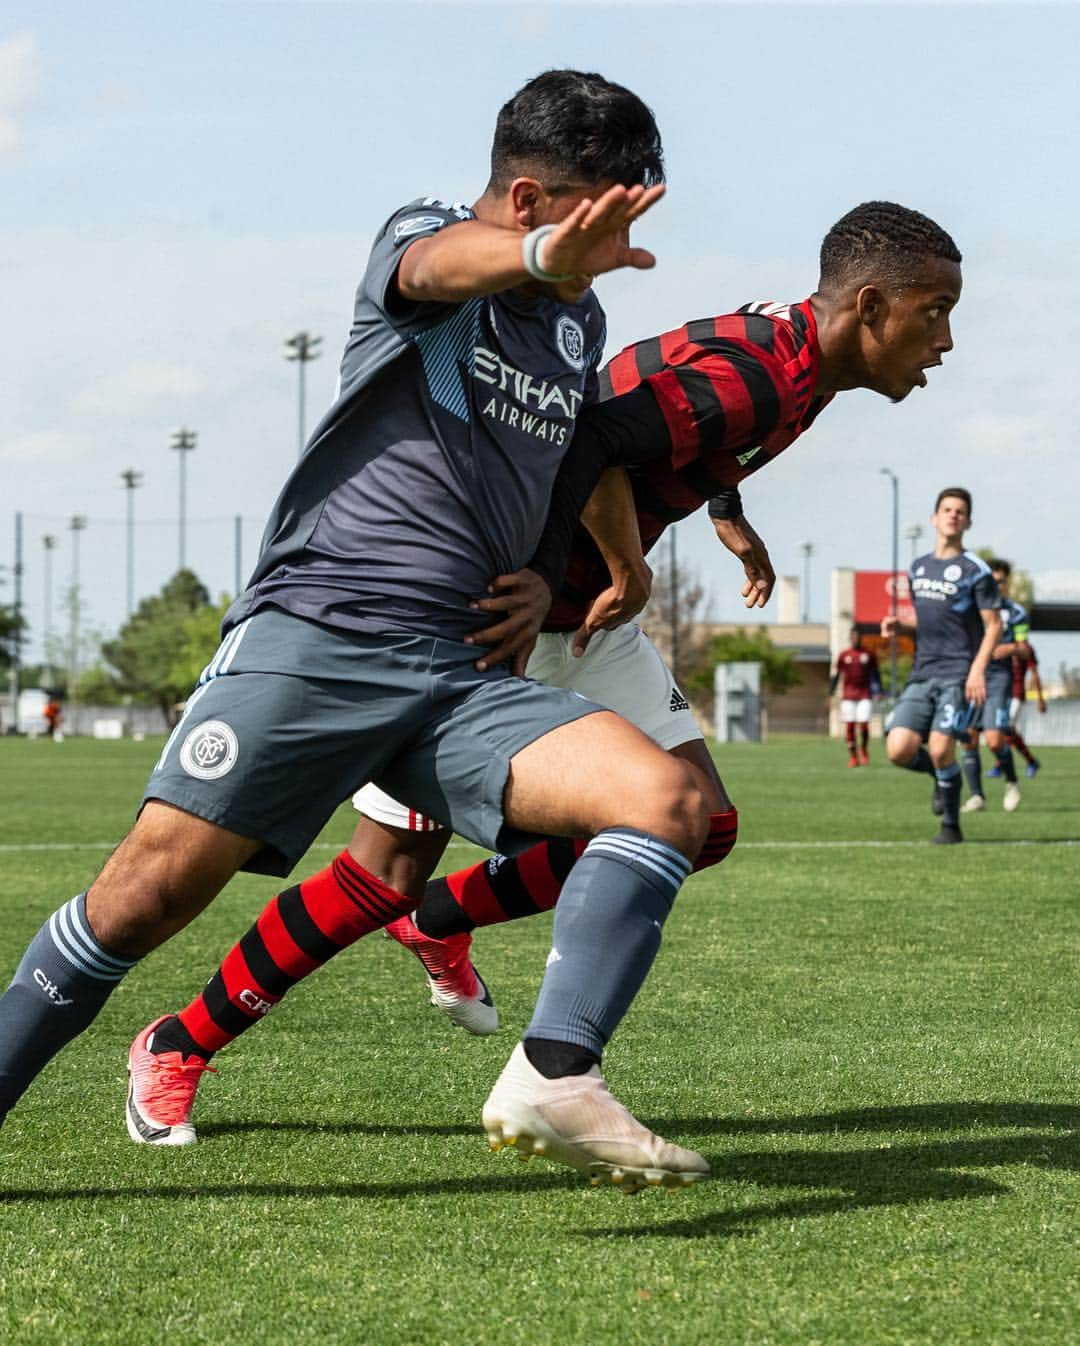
[857, 672]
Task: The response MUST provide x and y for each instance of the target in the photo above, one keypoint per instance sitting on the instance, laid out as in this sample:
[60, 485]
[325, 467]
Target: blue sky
[181, 188]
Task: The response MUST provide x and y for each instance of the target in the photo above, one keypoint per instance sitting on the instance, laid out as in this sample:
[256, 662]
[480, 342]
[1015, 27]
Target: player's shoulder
[423, 215]
[974, 564]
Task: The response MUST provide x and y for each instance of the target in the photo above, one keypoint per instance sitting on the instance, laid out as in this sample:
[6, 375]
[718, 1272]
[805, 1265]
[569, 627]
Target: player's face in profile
[916, 331]
[951, 519]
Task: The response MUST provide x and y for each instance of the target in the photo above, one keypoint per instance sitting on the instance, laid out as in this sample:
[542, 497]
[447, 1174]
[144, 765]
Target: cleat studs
[539, 1147]
[617, 1175]
[523, 1157]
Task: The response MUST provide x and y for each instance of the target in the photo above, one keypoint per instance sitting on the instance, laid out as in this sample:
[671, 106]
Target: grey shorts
[290, 718]
[998, 703]
[928, 707]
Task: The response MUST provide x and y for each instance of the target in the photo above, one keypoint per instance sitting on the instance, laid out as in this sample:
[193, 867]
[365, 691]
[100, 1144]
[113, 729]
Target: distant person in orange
[53, 714]
[858, 670]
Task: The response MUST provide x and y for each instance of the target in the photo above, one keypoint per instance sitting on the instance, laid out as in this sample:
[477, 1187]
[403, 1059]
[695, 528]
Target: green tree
[11, 628]
[145, 651]
[747, 645]
[199, 637]
[1021, 585]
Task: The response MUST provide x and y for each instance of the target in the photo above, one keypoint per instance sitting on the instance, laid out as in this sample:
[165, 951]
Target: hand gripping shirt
[432, 472]
[734, 391]
[949, 593]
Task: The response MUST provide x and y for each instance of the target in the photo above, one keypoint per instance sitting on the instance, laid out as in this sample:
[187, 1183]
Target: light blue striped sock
[606, 935]
[62, 982]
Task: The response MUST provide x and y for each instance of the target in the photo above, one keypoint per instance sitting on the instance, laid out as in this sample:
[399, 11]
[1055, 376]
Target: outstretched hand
[595, 236]
[523, 598]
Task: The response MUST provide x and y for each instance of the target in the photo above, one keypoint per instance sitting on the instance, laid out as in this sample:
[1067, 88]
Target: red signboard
[874, 596]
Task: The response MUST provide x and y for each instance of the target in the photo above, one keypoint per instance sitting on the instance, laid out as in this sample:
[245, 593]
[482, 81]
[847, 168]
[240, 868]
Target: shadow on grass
[885, 1174]
[208, 1129]
[882, 1175]
[550, 1180]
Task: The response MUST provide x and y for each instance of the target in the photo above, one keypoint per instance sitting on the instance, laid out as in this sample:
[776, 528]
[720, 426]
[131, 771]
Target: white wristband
[530, 254]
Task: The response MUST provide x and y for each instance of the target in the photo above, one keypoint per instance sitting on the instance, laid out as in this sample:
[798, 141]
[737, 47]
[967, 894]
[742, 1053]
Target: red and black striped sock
[505, 888]
[849, 734]
[297, 932]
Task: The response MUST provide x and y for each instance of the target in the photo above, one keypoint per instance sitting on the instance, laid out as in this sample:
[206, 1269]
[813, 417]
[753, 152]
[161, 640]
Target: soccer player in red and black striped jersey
[695, 412]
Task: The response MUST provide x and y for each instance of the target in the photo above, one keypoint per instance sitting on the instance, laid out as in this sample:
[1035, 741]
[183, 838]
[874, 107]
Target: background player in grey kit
[956, 627]
[996, 715]
[474, 346]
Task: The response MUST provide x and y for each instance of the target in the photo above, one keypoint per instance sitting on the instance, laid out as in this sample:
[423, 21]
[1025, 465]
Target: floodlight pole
[895, 482]
[807, 550]
[913, 532]
[48, 542]
[76, 523]
[183, 441]
[302, 348]
[131, 479]
[16, 644]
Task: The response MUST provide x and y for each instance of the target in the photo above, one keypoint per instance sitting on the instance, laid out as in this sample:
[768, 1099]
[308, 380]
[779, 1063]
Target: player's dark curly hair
[569, 128]
[1000, 567]
[882, 241]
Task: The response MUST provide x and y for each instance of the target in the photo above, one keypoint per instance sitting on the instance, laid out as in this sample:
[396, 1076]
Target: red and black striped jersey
[734, 391]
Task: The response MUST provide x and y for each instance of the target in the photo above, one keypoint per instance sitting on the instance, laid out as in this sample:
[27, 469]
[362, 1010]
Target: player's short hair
[881, 241]
[570, 128]
[960, 492]
[1000, 567]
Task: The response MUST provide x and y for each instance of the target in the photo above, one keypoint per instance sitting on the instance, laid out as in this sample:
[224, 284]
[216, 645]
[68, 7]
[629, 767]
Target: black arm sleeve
[625, 430]
[726, 504]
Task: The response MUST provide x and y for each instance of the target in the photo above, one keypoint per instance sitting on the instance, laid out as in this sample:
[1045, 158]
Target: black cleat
[937, 804]
[948, 836]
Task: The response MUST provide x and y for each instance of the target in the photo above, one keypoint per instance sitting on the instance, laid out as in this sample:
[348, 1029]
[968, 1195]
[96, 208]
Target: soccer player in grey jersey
[957, 625]
[474, 347]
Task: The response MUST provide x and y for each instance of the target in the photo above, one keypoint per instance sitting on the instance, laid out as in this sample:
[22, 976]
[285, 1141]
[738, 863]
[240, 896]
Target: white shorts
[621, 670]
[855, 712]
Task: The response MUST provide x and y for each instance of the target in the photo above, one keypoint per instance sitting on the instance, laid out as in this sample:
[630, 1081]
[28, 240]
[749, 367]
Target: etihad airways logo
[537, 407]
[924, 587]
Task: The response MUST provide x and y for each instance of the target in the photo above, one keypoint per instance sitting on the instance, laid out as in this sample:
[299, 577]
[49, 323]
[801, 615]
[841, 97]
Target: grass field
[873, 1040]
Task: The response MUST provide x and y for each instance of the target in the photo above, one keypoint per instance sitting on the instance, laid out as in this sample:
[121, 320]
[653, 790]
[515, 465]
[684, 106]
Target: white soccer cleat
[1011, 802]
[574, 1120]
[975, 804]
[161, 1092]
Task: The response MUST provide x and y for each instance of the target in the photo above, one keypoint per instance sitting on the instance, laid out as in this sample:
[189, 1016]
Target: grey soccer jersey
[948, 593]
[432, 472]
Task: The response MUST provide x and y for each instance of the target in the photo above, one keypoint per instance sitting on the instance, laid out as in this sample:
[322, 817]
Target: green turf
[875, 1045]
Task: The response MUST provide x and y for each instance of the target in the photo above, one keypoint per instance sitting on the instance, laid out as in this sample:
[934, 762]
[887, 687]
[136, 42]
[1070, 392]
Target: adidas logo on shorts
[678, 701]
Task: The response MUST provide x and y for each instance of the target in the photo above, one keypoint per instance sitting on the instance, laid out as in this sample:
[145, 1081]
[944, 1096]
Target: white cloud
[44, 446]
[19, 78]
[143, 388]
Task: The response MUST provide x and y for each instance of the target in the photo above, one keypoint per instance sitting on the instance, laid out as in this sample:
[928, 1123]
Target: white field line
[15, 848]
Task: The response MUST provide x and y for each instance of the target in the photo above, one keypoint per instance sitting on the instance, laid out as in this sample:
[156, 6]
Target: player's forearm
[611, 519]
[991, 637]
[462, 261]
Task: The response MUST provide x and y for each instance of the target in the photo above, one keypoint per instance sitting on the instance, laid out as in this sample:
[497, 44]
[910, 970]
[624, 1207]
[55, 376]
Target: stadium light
[76, 523]
[183, 441]
[48, 542]
[303, 348]
[131, 479]
[895, 481]
[807, 549]
[913, 532]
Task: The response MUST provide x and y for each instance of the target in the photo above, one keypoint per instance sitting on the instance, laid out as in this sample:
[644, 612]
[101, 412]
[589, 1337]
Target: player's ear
[526, 196]
[870, 305]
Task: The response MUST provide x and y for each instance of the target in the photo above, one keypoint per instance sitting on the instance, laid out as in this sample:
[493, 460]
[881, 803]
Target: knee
[680, 812]
[898, 750]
